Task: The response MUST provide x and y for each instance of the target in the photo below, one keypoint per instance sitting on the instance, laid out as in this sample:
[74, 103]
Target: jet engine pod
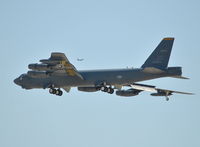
[161, 94]
[129, 92]
[37, 74]
[38, 67]
[88, 89]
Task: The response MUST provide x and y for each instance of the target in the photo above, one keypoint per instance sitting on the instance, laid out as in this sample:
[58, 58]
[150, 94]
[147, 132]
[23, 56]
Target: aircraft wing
[58, 62]
[156, 91]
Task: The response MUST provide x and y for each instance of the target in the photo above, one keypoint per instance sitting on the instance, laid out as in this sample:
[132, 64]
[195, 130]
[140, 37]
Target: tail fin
[160, 56]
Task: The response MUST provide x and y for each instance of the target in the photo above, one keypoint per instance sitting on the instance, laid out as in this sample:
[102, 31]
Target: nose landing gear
[57, 92]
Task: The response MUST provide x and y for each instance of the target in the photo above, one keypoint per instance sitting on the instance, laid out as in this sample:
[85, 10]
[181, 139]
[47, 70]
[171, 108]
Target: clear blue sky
[107, 34]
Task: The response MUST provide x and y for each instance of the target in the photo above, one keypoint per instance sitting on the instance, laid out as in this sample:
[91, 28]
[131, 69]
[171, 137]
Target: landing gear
[107, 89]
[59, 92]
[110, 90]
[167, 95]
[104, 89]
[55, 91]
[52, 91]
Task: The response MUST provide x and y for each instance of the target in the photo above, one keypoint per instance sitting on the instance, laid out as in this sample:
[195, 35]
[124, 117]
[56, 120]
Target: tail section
[160, 56]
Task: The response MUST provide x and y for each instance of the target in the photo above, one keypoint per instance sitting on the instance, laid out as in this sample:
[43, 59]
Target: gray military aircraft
[57, 72]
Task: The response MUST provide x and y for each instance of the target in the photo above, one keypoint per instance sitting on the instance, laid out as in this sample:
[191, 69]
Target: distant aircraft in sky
[80, 59]
[58, 73]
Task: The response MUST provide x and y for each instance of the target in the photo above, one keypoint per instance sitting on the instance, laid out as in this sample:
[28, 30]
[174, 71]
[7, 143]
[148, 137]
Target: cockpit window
[21, 77]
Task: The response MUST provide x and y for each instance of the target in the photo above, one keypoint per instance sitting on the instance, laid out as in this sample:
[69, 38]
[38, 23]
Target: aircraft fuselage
[90, 78]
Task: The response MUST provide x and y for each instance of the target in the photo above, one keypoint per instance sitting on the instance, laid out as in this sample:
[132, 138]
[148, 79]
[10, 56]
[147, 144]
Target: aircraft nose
[17, 81]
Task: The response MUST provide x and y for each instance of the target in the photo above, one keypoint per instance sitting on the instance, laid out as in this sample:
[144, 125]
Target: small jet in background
[80, 59]
[58, 73]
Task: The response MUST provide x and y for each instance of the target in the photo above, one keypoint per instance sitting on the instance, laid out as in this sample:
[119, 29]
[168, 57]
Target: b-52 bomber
[58, 73]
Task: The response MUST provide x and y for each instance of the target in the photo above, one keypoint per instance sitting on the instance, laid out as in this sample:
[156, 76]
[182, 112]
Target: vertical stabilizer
[159, 58]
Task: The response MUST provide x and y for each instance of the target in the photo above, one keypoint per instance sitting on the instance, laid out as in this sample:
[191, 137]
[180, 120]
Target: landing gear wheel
[111, 91]
[52, 91]
[104, 89]
[59, 92]
[167, 98]
[55, 91]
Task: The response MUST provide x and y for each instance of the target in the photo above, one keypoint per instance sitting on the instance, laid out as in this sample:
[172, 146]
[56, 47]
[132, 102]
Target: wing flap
[144, 87]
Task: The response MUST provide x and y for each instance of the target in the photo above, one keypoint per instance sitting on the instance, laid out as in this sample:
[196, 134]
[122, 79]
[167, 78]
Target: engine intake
[38, 67]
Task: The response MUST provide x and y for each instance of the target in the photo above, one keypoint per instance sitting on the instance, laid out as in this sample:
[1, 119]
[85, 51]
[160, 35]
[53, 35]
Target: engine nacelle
[88, 89]
[129, 92]
[45, 67]
[48, 61]
[37, 74]
[39, 67]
